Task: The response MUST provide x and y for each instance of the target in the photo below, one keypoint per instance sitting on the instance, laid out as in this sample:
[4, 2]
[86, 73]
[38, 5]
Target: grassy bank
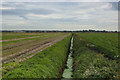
[88, 64]
[46, 64]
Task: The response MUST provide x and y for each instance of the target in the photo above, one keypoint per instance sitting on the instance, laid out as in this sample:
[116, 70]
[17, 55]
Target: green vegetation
[106, 43]
[88, 64]
[14, 47]
[45, 64]
[16, 35]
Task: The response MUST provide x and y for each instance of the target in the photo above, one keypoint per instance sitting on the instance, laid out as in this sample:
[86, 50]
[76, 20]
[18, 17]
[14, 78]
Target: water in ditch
[67, 73]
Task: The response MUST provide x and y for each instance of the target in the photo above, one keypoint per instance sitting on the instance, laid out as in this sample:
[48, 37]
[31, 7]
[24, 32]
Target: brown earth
[18, 39]
[26, 54]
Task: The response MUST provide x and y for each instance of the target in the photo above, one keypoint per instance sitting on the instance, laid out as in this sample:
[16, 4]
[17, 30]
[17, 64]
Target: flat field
[106, 43]
[15, 35]
[26, 44]
[89, 63]
[45, 55]
[46, 64]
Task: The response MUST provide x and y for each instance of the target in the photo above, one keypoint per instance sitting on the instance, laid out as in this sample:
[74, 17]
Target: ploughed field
[19, 47]
[22, 43]
[45, 55]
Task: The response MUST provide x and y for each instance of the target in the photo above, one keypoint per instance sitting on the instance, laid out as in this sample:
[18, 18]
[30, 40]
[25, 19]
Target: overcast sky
[60, 15]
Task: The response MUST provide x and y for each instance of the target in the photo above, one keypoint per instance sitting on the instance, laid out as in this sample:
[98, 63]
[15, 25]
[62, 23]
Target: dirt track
[18, 39]
[26, 54]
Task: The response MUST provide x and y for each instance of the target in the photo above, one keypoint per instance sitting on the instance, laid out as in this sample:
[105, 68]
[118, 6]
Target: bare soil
[26, 54]
[18, 39]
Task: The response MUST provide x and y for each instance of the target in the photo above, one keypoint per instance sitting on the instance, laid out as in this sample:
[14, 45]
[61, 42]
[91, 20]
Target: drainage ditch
[67, 73]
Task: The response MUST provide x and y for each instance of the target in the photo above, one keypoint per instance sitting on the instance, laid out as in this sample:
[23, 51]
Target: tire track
[22, 56]
[18, 39]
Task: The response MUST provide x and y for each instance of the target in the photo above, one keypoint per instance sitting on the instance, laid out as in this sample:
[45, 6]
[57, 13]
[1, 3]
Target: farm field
[89, 64]
[61, 40]
[46, 64]
[81, 55]
[106, 43]
[11, 50]
[14, 35]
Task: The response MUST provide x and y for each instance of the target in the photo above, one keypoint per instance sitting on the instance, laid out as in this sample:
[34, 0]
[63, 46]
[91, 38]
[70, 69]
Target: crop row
[15, 47]
[88, 64]
[106, 43]
[45, 64]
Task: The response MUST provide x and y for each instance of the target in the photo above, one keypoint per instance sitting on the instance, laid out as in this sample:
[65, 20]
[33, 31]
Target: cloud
[114, 5]
[24, 17]
[6, 8]
[48, 14]
[60, 0]
[25, 11]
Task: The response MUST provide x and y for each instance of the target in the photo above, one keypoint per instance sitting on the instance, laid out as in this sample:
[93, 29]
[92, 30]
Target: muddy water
[67, 73]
